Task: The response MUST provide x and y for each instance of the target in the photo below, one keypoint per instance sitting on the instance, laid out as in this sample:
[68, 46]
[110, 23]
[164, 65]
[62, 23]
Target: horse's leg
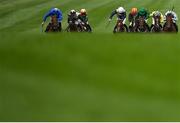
[48, 28]
[116, 28]
[165, 28]
[59, 27]
[175, 27]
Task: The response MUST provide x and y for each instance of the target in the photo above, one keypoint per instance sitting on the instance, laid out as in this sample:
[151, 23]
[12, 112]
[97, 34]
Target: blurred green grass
[60, 77]
[85, 77]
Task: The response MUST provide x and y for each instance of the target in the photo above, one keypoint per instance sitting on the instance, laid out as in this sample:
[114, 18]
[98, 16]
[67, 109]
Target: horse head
[169, 20]
[169, 25]
[141, 22]
[54, 20]
[157, 20]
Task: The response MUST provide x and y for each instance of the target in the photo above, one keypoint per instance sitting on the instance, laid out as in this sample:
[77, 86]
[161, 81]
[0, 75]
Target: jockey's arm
[162, 18]
[86, 20]
[124, 21]
[175, 16]
[46, 16]
[112, 14]
[147, 16]
[152, 14]
[130, 18]
[69, 19]
[59, 16]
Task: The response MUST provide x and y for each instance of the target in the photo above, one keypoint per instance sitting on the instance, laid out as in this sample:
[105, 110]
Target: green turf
[86, 77]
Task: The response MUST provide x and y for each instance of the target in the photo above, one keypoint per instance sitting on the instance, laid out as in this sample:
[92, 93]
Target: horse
[156, 27]
[54, 25]
[73, 26]
[170, 26]
[141, 25]
[84, 27]
[120, 27]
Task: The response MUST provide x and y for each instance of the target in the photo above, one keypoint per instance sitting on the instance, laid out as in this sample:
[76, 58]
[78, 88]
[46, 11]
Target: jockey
[54, 12]
[175, 18]
[132, 16]
[156, 14]
[143, 13]
[121, 15]
[83, 17]
[73, 17]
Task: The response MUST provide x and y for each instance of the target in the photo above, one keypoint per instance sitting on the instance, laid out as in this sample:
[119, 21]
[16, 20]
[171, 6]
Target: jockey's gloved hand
[174, 20]
[42, 23]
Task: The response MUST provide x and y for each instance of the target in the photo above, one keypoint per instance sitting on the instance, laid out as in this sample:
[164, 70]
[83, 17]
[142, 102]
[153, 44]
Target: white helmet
[169, 12]
[157, 13]
[72, 11]
[121, 10]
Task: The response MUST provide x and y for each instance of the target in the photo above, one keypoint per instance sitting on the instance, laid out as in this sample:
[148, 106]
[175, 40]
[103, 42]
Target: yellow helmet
[83, 11]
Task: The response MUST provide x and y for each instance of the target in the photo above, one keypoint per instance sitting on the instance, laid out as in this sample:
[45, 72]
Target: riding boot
[126, 28]
[131, 28]
[48, 28]
[176, 27]
[148, 27]
[89, 28]
[151, 26]
[60, 27]
[114, 31]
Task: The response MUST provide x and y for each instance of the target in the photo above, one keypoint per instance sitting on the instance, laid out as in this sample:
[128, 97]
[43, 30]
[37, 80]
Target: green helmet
[142, 12]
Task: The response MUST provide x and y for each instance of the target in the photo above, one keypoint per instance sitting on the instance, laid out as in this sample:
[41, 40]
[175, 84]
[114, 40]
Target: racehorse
[54, 25]
[120, 27]
[157, 27]
[73, 26]
[170, 26]
[84, 27]
[141, 25]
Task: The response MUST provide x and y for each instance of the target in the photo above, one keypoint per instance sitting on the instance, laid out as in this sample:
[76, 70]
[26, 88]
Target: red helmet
[134, 11]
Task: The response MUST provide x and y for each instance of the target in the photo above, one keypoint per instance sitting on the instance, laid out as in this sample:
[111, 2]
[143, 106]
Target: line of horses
[74, 26]
[139, 25]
